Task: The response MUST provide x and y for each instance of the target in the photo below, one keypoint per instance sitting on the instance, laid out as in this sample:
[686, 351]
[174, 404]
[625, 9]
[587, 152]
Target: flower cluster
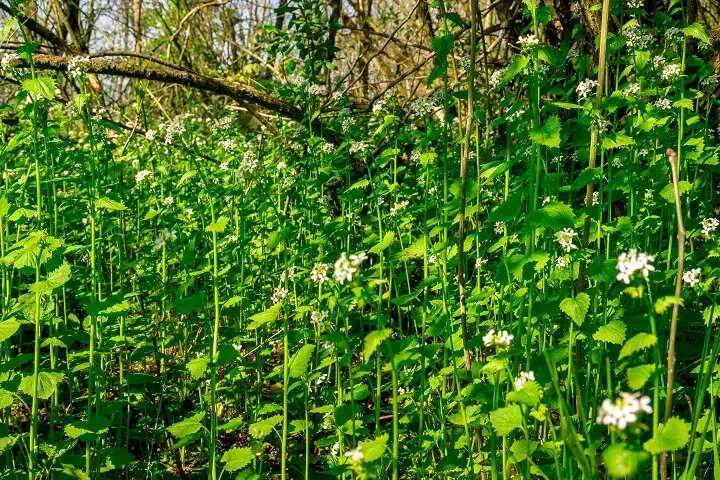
[345, 267]
[78, 66]
[528, 41]
[692, 277]
[636, 38]
[499, 228]
[164, 236]
[624, 410]
[523, 378]
[565, 239]
[278, 295]
[141, 175]
[630, 263]
[398, 206]
[585, 88]
[709, 225]
[319, 273]
[493, 338]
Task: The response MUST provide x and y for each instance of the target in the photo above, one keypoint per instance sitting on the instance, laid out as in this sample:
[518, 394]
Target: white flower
[8, 59]
[528, 41]
[631, 262]
[335, 449]
[163, 238]
[663, 103]
[359, 147]
[228, 144]
[692, 277]
[317, 318]
[546, 200]
[140, 176]
[565, 239]
[432, 259]
[278, 295]
[671, 71]
[497, 338]
[497, 77]
[617, 163]
[189, 212]
[233, 238]
[643, 152]
[635, 3]
[636, 38]
[238, 347]
[150, 134]
[348, 124]
[315, 90]
[585, 88]
[224, 166]
[281, 165]
[321, 379]
[624, 410]
[673, 35]
[328, 147]
[631, 90]
[479, 262]
[327, 419]
[168, 201]
[77, 66]
[378, 106]
[596, 198]
[355, 455]
[560, 262]
[398, 206]
[500, 228]
[523, 378]
[709, 225]
[319, 272]
[346, 267]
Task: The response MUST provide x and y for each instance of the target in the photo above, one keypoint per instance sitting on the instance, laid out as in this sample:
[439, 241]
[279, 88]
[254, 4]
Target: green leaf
[260, 319]
[621, 461]
[668, 192]
[262, 429]
[548, 134]
[108, 204]
[517, 64]
[300, 361]
[6, 399]
[553, 215]
[673, 435]
[197, 367]
[87, 430]
[358, 185]
[617, 140]
[507, 210]
[373, 449]
[586, 177]
[373, 341]
[639, 342]
[507, 419]
[576, 308]
[384, 243]
[42, 86]
[8, 329]
[613, 332]
[663, 303]
[4, 206]
[186, 427]
[237, 458]
[638, 376]
[218, 226]
[530, 394]
[522, 449]
[697, 30]
[47, 384]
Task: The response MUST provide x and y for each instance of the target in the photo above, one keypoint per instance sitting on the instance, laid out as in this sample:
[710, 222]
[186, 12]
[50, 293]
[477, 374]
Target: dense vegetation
[312, 262]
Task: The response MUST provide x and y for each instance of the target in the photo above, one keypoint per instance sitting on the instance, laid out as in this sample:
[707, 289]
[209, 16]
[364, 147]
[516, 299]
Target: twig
[672, 157]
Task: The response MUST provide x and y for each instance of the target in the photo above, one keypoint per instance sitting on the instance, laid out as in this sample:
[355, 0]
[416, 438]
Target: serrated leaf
[638, 376]
[548, 134]
[507, 210]
[613, 332]
[622, 462]
[237, 458]
[517, 64]
[267, 316]
[507, 419]
[530, 394]
[576, 308]
[47, 384]
[218, 226]
[300, 361]
[261, 429]
[697, 30]
[384, 243]
[373, 341]
[40, 87]
[639, 342]
[107, 204]
[668, 192]
[8, 329]
[186, 427]
[358, 185]
[87, 429]
[617, 140]
[673, 435]
[197, 367]
[373, 449]
[553, 215]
